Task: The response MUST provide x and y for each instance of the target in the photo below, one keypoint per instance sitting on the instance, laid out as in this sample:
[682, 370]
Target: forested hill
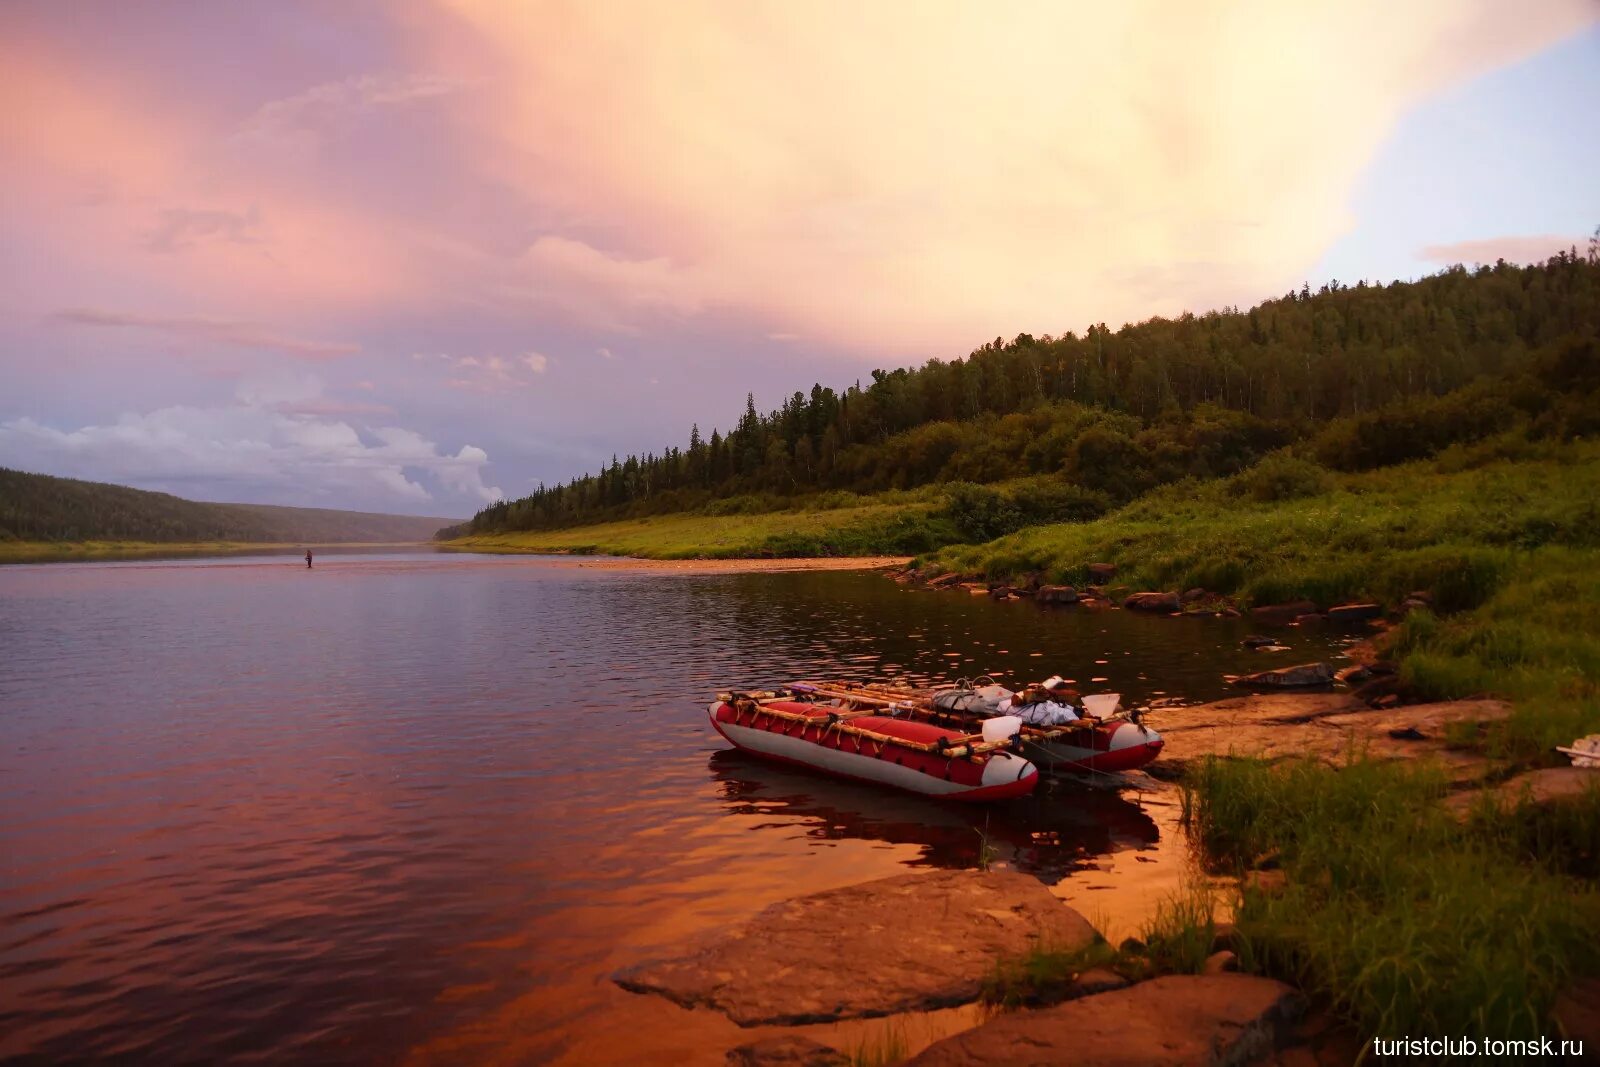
[37, 507]
[1350, 375]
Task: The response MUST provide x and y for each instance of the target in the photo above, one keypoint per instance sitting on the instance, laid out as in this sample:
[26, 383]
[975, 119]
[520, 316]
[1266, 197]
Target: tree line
[1113, 412]
[38, 507]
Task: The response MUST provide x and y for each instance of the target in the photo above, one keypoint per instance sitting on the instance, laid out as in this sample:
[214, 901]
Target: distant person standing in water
[308, 559]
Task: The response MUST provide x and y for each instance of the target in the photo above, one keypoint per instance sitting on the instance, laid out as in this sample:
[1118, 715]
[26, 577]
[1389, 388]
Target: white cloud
[313, 111]
[485, 374]
[992, 171]
[269, 445]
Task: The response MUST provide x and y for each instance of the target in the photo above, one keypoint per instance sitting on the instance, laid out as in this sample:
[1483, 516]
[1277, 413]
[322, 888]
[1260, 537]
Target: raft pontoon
[858, 743]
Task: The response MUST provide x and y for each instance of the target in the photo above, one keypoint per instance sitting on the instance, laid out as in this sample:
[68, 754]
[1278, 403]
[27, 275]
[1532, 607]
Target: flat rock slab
[1181, 1019]
[1326, 726]
[913, 942]
[1550, 785]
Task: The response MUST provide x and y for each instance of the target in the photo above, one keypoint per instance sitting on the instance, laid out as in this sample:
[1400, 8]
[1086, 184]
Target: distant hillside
[37, 507]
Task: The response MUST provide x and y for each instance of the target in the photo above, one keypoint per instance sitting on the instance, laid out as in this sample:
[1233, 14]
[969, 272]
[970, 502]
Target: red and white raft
[919, 757]
[1105, 744]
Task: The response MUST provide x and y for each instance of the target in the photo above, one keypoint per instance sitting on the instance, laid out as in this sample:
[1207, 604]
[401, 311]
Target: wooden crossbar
[963, 746]
[922, 703]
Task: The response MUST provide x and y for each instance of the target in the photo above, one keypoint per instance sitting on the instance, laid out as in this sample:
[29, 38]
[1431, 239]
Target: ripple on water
[427, 803]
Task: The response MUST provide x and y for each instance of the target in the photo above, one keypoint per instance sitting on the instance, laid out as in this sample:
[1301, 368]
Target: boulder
[1101, 573]
[1309, 619]
[912, 942]
[1152, 602]
[1193, 596]
[790, 1050]
[1410, 604]
[1056, 594]
[1220, 962]
[1282, 613]
[1000, 592]
[1258, 641]
[947, 579]
[1353, 675]
[1354, 612]
[1179, 1019]
[1301, 676]
[1542, 788]
[1096, 980]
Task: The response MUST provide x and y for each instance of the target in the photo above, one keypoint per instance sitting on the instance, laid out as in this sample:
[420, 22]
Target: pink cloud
[1534, 249]
[214, 331]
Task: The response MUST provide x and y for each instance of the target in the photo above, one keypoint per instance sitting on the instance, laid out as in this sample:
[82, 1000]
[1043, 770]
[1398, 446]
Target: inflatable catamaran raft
[955, 742]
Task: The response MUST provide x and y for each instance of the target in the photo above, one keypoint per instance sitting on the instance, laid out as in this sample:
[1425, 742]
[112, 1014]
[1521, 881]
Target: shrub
[1282, 476]
[980, 513]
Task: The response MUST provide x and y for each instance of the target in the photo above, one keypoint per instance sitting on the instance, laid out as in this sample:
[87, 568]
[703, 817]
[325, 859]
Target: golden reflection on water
[421, 808]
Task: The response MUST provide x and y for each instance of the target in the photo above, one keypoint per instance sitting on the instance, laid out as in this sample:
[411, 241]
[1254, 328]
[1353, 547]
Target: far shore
[731, 566]
[67, 551]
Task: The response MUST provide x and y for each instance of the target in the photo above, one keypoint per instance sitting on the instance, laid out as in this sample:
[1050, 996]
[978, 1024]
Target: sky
[417, 257]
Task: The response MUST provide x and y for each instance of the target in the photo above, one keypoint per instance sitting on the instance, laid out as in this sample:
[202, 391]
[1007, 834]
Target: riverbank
[887, 528]
[66, 551]
[1355, 884]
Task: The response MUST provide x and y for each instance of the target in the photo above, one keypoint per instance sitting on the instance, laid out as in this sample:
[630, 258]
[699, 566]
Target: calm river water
[416, 808]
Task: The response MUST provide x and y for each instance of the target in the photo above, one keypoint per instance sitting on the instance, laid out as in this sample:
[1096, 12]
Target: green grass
[888, 1045]
[1394, 914]
[1509, 549]
[870, 529]
[1177, 939]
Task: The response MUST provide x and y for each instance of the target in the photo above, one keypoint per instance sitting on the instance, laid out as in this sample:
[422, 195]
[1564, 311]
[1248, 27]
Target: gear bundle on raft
[953, 742]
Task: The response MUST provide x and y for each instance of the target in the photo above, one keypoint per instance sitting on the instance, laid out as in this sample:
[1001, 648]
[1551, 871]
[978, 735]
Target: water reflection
[418, 802]
[1050, 834]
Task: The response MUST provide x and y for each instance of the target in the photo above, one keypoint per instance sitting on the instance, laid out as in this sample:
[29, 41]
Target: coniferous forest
[1353, 376]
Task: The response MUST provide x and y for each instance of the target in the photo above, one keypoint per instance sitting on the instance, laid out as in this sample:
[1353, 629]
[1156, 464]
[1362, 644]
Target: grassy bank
[1507, 544]
[890, 528]
[53, 551]
[1391, 912]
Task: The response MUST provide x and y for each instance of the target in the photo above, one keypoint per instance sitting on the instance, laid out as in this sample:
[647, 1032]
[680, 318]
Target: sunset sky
[413, 256]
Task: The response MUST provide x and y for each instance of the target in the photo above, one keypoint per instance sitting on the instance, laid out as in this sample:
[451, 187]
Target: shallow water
[417, 807]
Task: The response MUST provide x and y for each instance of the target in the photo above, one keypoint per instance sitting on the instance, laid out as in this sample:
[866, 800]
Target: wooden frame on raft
[908, 698]
[961, 746]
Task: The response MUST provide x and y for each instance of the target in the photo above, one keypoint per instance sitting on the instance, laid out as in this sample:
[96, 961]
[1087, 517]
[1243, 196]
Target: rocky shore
[927, 941]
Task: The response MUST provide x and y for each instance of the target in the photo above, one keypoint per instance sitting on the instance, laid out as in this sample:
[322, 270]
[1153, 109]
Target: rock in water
[1354, 612]
[913, 942]
[1152, 602]
[1283, 613]
[1180, 1019]
[1303, 676]
[1056, 594]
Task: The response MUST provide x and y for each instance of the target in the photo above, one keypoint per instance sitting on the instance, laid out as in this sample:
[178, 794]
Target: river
[415, 808]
